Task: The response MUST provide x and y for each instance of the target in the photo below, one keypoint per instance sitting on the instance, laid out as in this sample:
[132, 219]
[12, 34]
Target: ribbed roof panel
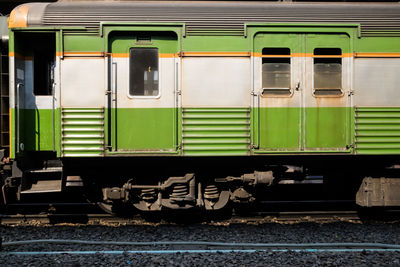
[225, 17]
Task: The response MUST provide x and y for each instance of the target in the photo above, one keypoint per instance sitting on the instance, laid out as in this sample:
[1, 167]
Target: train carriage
[194, 104]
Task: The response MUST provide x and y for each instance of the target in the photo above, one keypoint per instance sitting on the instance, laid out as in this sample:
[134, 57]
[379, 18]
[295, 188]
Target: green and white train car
[152, 101]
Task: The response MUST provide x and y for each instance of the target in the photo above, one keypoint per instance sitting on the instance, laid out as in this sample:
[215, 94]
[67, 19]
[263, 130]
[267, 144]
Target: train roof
[205, 17]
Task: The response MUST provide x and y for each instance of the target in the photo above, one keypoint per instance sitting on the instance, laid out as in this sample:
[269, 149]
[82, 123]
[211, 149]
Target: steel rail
[206, 243]
[226, 247]
[196, 251]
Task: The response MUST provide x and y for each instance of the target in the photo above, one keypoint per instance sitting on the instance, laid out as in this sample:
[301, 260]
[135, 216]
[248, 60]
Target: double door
[302, 92]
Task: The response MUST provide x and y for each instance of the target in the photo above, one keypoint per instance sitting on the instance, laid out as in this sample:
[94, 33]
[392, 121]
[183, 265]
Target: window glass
[143, 72]
[328, 70]
[276, 70]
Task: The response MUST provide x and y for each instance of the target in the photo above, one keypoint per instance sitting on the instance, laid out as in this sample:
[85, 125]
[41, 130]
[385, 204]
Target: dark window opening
[143, 71]
[43, 52]
[328, 71]
[276, 51]
[327, 51]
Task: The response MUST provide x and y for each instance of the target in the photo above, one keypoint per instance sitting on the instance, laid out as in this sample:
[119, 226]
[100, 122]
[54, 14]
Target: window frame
[277, 92]
[129, 74]
[328, 56]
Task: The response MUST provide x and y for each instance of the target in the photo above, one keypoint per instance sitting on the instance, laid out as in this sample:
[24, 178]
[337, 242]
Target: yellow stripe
[81, 54]
[19, 56]
[216, 54]
[377, 54]
[161, 55]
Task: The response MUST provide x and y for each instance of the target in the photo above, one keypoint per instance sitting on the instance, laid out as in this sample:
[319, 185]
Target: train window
[43, 51]
[143, 72]
[327, 71]
[276, 71]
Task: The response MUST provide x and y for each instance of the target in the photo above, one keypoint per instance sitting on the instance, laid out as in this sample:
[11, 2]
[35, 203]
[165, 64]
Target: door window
[327, 71]
[276, 71]
[143, 72]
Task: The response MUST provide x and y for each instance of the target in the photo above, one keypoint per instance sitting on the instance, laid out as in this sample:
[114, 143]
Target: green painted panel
[327, 41]
[326, 127]
[216, 131]
[278, 40]
[377, 131]
[207, 43]
[82, 132]
[145, 129]
[166, 43]
[82, 43]
[12, 133]
[215, 44]
[279, 128]
[37, 129]
[378, 44]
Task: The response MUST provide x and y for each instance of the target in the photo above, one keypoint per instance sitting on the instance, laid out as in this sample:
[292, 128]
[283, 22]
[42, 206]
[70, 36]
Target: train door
[142, 103]
[302, 85]
[35, 68]
[327, 87]
[277, 76]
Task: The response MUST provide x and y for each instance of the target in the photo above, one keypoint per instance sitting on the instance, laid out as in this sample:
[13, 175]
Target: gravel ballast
[337, 232]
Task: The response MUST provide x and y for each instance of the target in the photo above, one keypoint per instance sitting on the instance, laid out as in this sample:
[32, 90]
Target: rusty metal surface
[379, 192]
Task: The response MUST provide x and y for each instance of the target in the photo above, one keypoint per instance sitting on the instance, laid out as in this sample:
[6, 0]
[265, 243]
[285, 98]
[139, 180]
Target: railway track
[268, 212]
[104, 219]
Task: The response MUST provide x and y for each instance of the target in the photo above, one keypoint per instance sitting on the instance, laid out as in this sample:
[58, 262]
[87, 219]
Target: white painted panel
[377, 82]
[82, 82]
[216, 82]
[167, 84]
[12, 81]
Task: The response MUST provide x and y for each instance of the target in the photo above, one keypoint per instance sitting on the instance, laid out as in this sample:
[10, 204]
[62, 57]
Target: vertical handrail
[53, 92]
[109, 102]
[17, 115]
[114, 95]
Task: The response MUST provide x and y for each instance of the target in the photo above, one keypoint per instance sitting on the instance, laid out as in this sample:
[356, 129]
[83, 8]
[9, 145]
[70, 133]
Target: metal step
[44, 186]
[47, 170]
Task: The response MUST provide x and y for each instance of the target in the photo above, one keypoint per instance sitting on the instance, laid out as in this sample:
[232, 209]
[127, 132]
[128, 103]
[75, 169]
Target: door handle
[298, 86]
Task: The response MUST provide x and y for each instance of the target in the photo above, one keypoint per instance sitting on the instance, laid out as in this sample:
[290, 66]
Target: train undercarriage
[120, 185]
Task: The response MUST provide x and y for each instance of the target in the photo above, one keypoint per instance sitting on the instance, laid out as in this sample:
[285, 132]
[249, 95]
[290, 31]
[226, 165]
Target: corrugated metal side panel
[227, 18]
[216, 131]
[377, 130]
[82, 132]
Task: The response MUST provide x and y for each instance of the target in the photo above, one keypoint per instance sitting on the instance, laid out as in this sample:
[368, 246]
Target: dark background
[7, 5]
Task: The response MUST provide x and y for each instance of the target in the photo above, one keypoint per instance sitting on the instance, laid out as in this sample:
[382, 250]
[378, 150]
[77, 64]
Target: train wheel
[117, 208]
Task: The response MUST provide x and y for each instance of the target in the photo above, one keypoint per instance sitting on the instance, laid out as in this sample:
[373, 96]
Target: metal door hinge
[350, 93]
[108, 92]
